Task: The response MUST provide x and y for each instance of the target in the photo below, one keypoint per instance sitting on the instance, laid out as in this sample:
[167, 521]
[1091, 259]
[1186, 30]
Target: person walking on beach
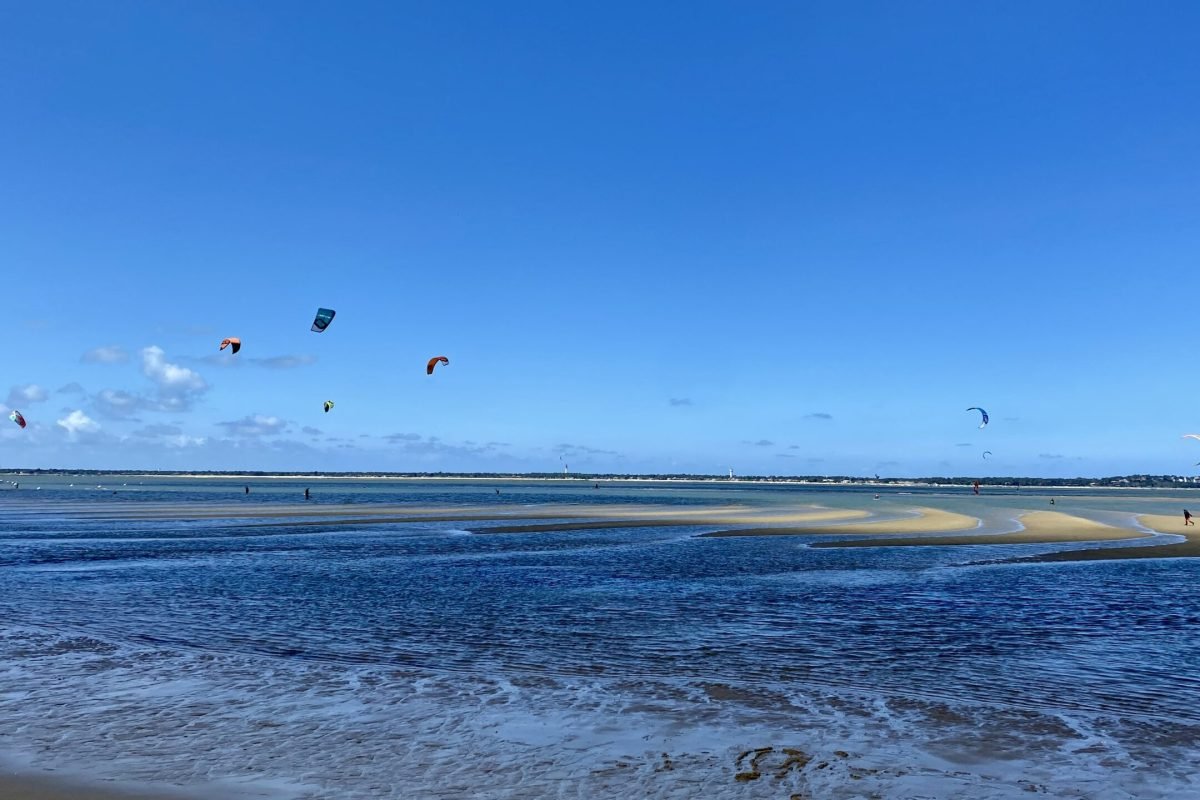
[1187, 518]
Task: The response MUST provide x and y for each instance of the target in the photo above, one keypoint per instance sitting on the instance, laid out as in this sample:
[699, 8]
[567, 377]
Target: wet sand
[1159, 523]
[558, 517]
[1041, 527]
[923, 520]
[37, 787]
[702, 518]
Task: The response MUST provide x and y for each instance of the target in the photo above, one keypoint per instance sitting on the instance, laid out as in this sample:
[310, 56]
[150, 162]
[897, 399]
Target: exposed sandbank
[1159, 523]
[709, 518]
[924, 520]
[1041, 527]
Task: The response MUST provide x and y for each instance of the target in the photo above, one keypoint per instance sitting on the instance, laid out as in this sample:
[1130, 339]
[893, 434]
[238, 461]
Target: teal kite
[322, 320]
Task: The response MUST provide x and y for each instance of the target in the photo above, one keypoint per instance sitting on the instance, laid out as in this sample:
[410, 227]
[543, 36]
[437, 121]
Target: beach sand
[924, 520]
[709, 517]
[1159, 523]
[558, 517]
[1041, 527]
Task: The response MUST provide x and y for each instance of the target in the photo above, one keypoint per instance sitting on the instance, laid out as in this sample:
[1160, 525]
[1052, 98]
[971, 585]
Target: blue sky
[786, 238]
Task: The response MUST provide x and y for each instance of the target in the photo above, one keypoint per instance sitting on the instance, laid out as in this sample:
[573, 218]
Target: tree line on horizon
[1117, 481]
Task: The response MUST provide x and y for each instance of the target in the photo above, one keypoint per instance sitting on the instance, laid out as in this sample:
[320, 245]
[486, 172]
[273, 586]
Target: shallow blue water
[646, 617]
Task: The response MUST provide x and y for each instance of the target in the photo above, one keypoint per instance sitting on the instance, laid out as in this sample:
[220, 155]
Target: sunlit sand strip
[1040, 527]
[1159, 523]
[828, 515]
[925, 520]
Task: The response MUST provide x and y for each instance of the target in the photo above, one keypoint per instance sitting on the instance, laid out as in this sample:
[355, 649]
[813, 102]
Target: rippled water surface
[420, 660]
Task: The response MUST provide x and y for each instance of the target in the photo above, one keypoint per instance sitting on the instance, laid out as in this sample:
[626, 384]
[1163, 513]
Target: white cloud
[256, 425]
[178, 387]
[183, 440]
[77, 422]
[26, 395]
[105, 355]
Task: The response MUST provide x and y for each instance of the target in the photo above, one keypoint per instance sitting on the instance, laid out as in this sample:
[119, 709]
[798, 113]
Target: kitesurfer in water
[1051, 501]
[1187, 517]
[306, 494]
[247, 490]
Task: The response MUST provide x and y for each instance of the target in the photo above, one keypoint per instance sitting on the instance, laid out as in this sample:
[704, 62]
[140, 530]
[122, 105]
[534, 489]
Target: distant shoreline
[1113, 482]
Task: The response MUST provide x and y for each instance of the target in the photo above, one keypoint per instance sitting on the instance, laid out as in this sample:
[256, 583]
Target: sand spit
[1041, 527]
[553, 517]
[923, 520]
[709, 517]
[1159, 523]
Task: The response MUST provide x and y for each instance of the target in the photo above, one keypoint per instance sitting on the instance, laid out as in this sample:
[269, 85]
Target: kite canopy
[16, 417]
[323, 318]
[433, 362]
[987, 453]
[1191, 436]
[328, 405]
[233, 342]
[982, 412]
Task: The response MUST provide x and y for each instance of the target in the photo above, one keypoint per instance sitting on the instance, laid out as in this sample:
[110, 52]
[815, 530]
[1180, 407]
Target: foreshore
[17, 786]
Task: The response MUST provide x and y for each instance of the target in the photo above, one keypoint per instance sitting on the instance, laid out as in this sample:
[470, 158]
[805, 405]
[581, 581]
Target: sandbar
[1159, 523]
[1040, 527]
[711, 517]
[924, 520]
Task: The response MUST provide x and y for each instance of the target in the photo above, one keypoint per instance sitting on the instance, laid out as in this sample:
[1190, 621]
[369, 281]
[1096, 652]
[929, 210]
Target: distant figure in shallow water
[247, 490]
[497, 491]
[1051, 501]
[1187, 517]
[306, 494]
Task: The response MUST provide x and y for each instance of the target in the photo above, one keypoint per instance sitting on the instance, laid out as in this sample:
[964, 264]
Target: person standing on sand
[1187, 518]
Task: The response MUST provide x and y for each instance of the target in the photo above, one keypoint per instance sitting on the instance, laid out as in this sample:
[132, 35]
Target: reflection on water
[412, 660]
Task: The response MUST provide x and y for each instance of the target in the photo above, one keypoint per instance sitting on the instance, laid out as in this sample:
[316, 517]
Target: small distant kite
[328, 405]
[16, 417]
[232, 342]
[433, 362]
[983, 413]
[322, 320]
[1191, 436]
[987, 453]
